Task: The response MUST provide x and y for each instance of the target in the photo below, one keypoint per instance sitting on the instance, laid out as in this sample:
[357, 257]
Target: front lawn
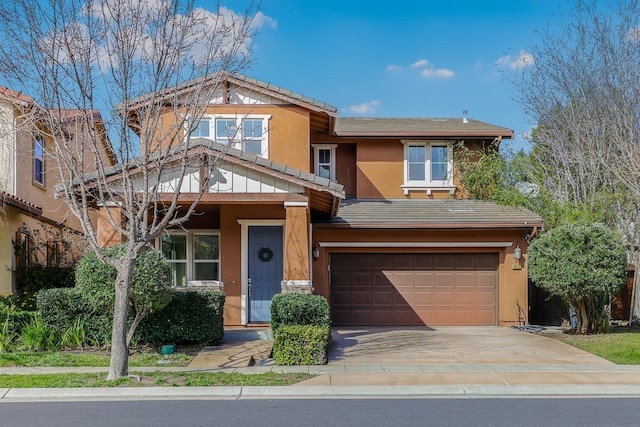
[143, 356]
[152, 379]
[620, 346]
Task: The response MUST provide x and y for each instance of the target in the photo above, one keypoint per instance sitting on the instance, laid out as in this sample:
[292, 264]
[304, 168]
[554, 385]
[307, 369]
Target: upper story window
[192, 255]
[202, 130]
[428, 165]
[247, 133]
[325, 160]
[38, 161]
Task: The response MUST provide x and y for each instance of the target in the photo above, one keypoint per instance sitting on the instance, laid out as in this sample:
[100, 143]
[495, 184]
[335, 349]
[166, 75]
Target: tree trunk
[134, 325]
[119, 364]
[583, 317]
[634, 315]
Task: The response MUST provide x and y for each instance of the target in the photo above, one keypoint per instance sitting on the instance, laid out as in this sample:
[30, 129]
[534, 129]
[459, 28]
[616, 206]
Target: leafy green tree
[583, 264]
[581, 88]
[150, 285]
[486, 174]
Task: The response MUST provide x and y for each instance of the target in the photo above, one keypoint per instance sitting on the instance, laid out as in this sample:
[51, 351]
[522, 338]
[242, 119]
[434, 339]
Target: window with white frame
[202, 129]
[428, 164]
[324, 156]
[246, 133]
[193, 255]
[38, 161]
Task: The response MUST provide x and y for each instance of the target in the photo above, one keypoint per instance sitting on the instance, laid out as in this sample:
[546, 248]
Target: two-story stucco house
[364, 211]
[35, 226]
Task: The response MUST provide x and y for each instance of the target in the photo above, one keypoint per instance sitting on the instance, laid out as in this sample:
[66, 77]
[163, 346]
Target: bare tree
[584, 94]
[127, 59]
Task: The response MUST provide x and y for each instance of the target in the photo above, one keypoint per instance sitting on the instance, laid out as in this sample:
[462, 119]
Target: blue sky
[401, 58]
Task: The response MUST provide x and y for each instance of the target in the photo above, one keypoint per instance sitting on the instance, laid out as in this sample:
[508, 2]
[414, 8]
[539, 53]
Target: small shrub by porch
[301, 326]
[301, 344]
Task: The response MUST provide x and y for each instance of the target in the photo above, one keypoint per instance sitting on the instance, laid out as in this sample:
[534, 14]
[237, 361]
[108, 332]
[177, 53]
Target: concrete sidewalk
[379, 362]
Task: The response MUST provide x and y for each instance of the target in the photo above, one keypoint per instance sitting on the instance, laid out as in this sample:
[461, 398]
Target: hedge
[301, 344]
[16, 320]
[299, 309]
[61, 307]
[191, 316]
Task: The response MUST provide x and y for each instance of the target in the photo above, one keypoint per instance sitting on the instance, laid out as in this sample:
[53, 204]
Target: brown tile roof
[239, 80]
[431, 213]
[412, 127]
[20, 203]
[285, 94]
[14, 96]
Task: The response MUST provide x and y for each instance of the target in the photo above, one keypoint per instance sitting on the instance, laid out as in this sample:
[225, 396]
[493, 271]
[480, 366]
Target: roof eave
[352, 134]
[431, 225]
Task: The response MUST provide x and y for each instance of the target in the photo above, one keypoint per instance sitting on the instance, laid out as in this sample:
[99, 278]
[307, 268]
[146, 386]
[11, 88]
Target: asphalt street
[523, 412]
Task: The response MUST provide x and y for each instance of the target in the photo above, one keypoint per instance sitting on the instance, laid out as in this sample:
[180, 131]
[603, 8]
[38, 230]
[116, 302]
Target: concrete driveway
[451, 345]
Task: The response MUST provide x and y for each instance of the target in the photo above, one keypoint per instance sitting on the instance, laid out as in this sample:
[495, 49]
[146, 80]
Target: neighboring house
[35, 226]
[367, 212]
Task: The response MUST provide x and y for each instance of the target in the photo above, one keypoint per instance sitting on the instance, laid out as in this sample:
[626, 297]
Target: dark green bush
[191, 316]
[16, 320]
[299, 309]
[150, 283]
[60, 308]
[36, 277]
[301, 344]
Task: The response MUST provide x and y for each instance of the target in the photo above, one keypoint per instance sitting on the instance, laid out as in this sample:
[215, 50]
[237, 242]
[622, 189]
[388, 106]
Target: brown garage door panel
[414, 289]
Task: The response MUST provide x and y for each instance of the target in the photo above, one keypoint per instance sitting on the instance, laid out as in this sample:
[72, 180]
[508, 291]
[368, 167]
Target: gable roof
[282, 93]
[325, 194]
[225, 79]
[306, 179]
[432, 213]
[15, 97]
[417, 127]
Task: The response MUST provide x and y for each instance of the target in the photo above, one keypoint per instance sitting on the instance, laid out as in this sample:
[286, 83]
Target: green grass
[152, 379]
[621, 347]
[88, 358]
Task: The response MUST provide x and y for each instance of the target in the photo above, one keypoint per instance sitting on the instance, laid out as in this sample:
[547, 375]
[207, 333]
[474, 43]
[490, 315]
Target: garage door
[413, 289]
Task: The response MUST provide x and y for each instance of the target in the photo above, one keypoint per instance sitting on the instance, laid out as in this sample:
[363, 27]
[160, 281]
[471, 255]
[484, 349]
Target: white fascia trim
[415, 244]
[296, 204]
[109, 204]
[244, 259]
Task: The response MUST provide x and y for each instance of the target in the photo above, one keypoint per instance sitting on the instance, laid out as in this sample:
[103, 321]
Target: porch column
[297, 276]
[107, 235]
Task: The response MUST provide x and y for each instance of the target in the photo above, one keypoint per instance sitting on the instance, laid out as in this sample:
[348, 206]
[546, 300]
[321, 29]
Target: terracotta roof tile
[15, 96]
[20, 203]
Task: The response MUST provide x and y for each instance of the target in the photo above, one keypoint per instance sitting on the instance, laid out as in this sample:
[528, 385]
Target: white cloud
[394, 68]
[440, 73]
[262, 20]
[364, 108]
[429, 71]
[524, 59]
[206, 36]
[420, 63]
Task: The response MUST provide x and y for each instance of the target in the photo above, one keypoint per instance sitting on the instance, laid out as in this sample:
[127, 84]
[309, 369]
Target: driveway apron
[451, 345]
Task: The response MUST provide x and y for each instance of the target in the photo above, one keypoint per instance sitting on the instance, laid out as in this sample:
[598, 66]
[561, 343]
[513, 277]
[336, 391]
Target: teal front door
[265, 270]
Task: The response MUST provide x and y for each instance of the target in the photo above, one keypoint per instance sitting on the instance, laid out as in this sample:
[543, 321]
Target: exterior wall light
[316, 252]
[517, 253]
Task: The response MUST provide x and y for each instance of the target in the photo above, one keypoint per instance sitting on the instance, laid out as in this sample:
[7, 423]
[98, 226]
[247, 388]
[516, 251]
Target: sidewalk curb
[318, 392]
